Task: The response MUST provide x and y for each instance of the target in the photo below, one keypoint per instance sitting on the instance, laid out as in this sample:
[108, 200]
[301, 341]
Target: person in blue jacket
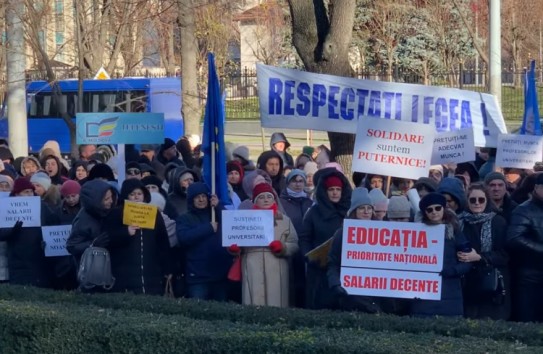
[207, 262]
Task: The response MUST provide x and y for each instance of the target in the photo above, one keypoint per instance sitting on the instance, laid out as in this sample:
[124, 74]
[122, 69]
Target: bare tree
[322, 37]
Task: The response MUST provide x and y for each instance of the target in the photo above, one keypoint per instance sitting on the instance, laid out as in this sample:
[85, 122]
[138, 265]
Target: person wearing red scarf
[265, 270]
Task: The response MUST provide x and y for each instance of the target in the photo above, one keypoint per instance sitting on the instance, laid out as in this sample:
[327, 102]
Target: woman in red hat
[265, 270]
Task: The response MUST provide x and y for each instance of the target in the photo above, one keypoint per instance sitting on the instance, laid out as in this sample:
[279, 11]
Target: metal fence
[242, 89]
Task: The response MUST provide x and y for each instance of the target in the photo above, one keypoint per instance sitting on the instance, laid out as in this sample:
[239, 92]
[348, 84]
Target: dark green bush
[45, 321]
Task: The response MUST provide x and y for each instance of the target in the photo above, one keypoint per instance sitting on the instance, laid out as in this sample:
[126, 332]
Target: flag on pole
[531, 125]
[214, 167]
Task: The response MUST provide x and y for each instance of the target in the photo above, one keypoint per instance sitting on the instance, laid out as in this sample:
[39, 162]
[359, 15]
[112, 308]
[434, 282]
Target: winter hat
[262, 188]
[494, 175]
[151, 180]
[70, 187]
[235, 165]
[168, 143]
[310, 168]
[241, 151]
[147, 147]
[437, 168]
[295, 173]
[20, 185]
[378, 198]
[158, 200]
[7, 179]
[41, 178]
[101, 170]
[398, 207]
[147, 168]
[129, 185]
[359, 197]
[5, 154]
[432, 199]
[426, 183]
[195, 189]
[132, 164]
[333, 181]
[309, 150]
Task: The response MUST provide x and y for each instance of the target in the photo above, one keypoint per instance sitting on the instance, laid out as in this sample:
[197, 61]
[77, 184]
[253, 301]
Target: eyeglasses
[479, 200]
[133, 171]
[432, 209]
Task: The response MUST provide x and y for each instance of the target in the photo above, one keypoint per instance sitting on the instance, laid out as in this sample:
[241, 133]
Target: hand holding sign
[132, 230]
[17, 227]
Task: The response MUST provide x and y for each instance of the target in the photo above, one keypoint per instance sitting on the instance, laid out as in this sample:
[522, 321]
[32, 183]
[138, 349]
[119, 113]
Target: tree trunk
[191, 108]
[322, 38]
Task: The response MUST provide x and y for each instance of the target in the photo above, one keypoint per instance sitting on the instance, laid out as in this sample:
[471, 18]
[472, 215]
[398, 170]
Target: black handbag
[490, 280]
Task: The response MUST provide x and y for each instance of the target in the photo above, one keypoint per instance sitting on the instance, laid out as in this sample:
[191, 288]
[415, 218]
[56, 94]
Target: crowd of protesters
[492, 217]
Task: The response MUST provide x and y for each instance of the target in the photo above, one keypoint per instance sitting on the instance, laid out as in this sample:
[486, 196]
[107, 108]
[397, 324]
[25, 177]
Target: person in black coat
[271, 162]
[295, 204]
[140, 258]
[181, 179]
[97, 199]
[525, 245]
[333, 195]
[27, 263]
[485, 231]
[434, 212]
[207, 262]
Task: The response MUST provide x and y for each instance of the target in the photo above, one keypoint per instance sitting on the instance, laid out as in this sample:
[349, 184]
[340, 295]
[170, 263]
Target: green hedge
[36, 320]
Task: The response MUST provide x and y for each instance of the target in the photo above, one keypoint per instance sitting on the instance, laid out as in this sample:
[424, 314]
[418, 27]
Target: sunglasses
[436, 208]
[479, 200]
[133, 171]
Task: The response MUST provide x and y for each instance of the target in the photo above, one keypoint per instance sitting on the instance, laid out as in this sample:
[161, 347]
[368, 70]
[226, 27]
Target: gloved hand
[17, 227]
[234, 250]
[339, 291]
[276, 247]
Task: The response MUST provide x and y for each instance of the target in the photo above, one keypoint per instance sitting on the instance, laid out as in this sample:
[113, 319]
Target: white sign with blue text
[303, 100]
[55, 238]
[247, 228]
[519, 151]
[454, 147]
[25, 209]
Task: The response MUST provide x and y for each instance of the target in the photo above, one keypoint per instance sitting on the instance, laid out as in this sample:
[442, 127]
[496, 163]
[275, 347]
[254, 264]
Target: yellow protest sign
[139, 214]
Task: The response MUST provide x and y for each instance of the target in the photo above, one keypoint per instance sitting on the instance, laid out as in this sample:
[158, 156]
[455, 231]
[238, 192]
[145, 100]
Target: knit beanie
[437, 168]
[359, 197]
[158, 200]
[168, 143]
[5, 154]
[42, 179]
[7, 179]
[427, 183]
[70, 187]
[398, 207]
[195, 189]
[334, 181]
[432, 199]
[101, 170]
[241, 151]
[235, 165]
[20, 185]
[295, 173]
[378, 198]
[151, 180]
[309, 150]
[310, 168]
[262, 188]
[493, 176]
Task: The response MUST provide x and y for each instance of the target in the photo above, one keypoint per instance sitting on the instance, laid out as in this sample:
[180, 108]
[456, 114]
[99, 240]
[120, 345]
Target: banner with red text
[393, 148]
[391, 283]
[392, 245]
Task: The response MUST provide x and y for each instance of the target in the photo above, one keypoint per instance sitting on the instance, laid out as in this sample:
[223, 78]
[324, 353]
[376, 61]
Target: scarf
[273, 207]
[486, 229]
[294, 194]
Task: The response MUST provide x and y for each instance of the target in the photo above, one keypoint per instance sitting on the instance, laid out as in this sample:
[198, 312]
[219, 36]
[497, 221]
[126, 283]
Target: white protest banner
[392, 245]
[55, 240]
[519, 151]
[391, 283]
[25, 209]
[4, 195]
[453, 147]
[247, 228]
[303, 100]
[393, 148]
